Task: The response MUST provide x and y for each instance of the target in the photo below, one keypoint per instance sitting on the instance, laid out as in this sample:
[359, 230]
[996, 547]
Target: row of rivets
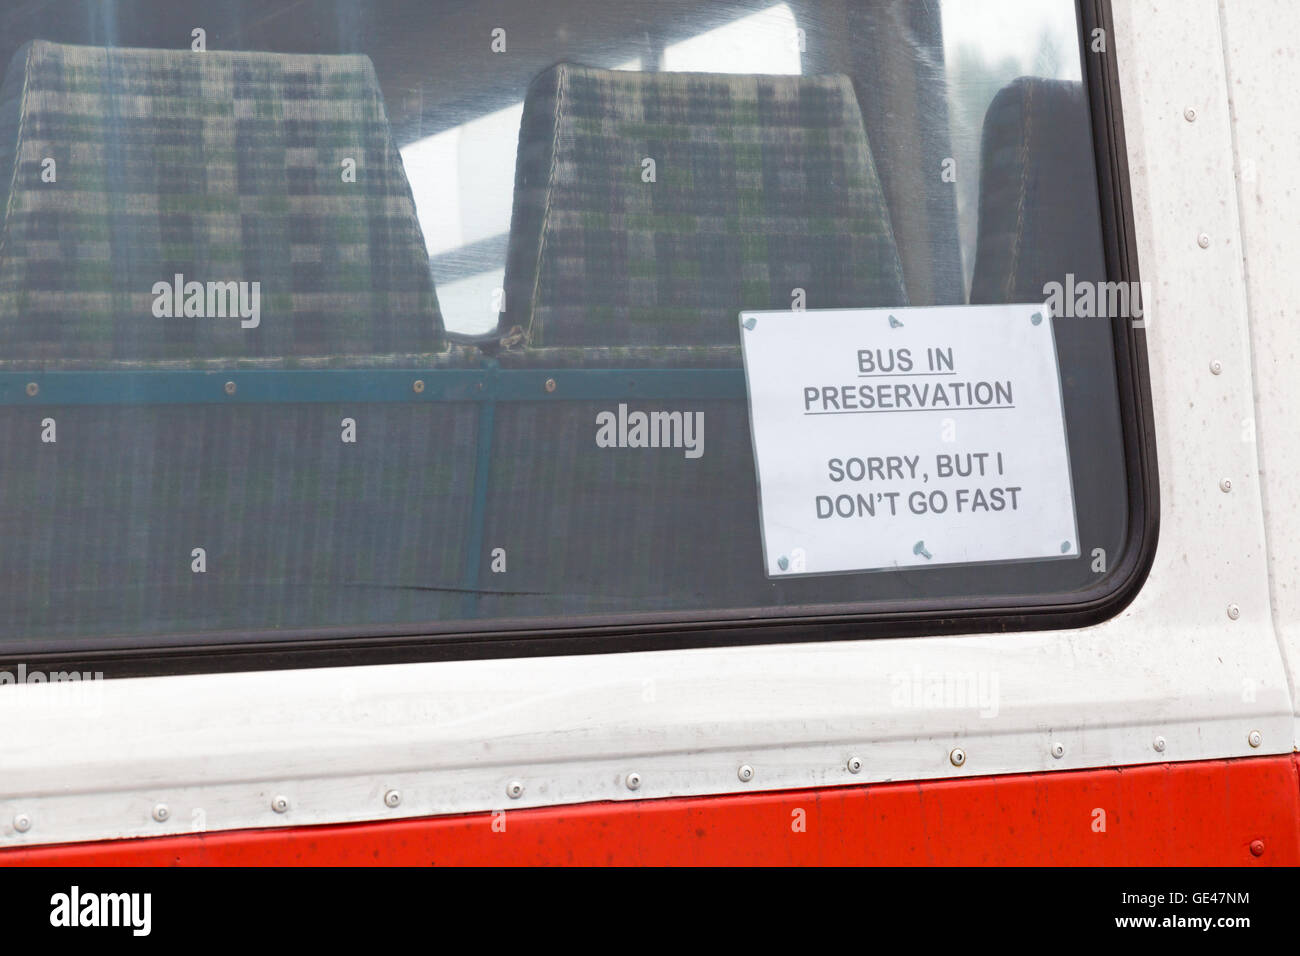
[515, 789]
[1225, 484]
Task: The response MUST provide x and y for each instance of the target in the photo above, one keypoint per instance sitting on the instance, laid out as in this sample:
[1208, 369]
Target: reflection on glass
[763, 42]
[462, 177]
[987, 45]
[807, 169]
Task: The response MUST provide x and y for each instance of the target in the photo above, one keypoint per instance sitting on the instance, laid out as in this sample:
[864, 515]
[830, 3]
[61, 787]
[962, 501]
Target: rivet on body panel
[957, 757]
[280, 803]
[392, 798]
[1234, 612]
[633, 781]
[1255, 738]
[1159, 745]
[22, 823]
[514, 789]
[855, 765]
[745, 773]
[1058, 750]
[161, 813]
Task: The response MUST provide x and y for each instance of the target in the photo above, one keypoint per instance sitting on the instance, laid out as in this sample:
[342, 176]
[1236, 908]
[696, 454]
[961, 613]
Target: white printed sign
[892, 438]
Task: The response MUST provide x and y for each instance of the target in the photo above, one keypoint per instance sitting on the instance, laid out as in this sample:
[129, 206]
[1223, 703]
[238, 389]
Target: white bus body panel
[216, 749]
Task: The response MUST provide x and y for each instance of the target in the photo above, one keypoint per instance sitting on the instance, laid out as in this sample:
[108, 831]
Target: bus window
[428, 321]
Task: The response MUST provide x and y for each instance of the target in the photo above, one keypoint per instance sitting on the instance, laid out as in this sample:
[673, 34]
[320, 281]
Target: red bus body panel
[1208, 813]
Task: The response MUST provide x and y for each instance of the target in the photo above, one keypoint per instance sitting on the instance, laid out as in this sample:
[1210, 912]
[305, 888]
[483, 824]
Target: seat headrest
[651, 208]
[250, 178]
[1038, 206]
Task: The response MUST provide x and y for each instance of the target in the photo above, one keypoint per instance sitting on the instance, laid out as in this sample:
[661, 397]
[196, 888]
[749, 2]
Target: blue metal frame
[283, 386]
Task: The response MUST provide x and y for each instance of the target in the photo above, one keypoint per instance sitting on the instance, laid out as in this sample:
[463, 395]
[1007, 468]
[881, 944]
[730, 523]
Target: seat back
[651, 208]
[1039, 223]
[760, 186]
[244, 500]
[1038, 193]
[128, 168]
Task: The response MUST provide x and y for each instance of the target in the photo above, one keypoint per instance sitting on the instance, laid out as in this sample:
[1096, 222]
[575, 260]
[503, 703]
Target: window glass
[335, 318]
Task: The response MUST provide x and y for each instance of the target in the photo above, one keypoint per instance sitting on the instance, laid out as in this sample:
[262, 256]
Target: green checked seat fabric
[762, 185]
[216, 166]
[220, 167]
